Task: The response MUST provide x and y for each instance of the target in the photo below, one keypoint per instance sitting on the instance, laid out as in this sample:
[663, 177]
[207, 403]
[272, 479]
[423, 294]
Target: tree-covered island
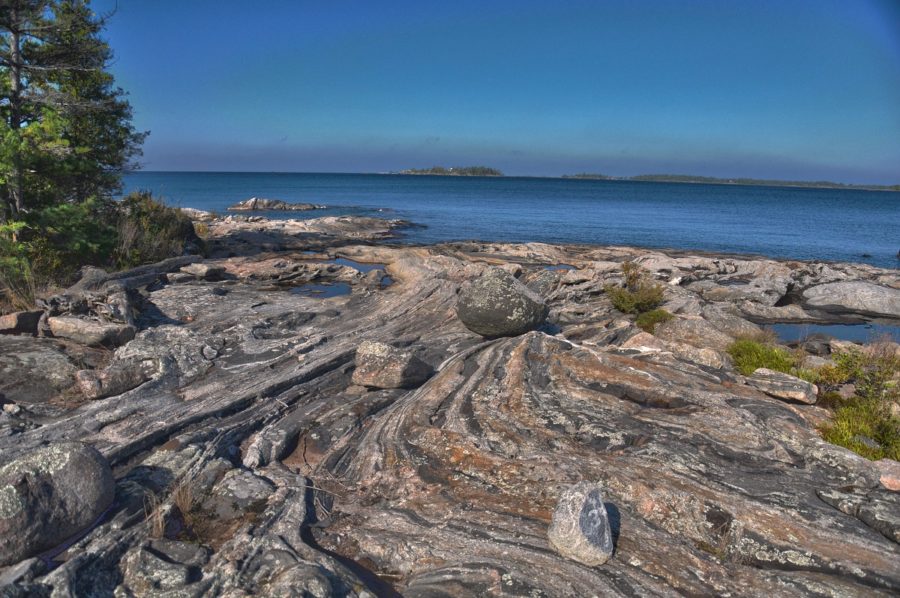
[454, 171]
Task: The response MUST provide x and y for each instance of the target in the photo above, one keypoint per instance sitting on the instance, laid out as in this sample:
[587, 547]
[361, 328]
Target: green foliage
[53, 243]
[648, 320]
[638, 295]
[149, 231]
[865, 419]
[16, 279]
[749, 355]
[67, 133]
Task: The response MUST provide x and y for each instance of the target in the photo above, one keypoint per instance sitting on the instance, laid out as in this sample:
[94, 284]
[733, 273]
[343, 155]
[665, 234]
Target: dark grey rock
[580, 527]
[497, 304]
[33, 370]
[379, 365]
[50, 494]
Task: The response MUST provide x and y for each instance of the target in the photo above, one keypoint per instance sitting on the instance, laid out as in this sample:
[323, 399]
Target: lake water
[820, 224]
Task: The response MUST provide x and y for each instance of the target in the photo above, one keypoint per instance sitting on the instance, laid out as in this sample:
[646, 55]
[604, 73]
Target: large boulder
[580, 527]
[49, 495]
[856, 297]
[382, 366]
[497, 304]
[90, 332]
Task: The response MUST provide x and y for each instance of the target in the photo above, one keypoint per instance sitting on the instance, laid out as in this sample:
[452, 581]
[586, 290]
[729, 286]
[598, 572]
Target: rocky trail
[279, 421]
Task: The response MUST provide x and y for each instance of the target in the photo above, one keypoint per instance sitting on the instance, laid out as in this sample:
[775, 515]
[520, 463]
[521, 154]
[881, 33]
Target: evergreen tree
[67, 133]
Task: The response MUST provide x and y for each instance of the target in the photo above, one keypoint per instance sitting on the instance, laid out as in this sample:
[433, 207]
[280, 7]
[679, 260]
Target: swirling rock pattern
[710, 486]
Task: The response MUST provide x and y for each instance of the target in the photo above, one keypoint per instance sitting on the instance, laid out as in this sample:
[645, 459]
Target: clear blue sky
[798, 89]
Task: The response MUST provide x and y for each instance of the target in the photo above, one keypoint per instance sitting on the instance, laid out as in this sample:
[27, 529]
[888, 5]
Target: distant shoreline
[578, 177]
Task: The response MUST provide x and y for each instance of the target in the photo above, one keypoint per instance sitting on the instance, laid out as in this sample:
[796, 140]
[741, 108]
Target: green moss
[647, 321]
[749, 355]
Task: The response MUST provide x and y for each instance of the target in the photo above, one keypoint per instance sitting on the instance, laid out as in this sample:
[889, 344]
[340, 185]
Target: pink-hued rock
[890, 473]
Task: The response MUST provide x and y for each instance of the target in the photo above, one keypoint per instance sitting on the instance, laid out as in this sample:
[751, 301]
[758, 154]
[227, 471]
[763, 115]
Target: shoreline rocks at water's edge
[262, 204]
[231, 377]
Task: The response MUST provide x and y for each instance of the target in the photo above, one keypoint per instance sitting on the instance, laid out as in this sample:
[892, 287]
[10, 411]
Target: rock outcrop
[261, 203]
[249, 462]
[854, 297]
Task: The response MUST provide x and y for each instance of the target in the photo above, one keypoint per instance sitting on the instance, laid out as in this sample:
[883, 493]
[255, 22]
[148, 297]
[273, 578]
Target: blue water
[858, 333]
[821, 224]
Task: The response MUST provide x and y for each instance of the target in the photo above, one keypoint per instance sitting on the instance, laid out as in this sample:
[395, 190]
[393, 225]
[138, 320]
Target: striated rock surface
[268, 471]
[50, 494]
[497, 304]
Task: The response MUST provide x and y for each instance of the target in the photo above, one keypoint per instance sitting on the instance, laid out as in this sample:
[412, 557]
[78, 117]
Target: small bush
[149, 231]
[639, 294]
[749, 355]
[648, 320]
[864, 423]
[860, 420]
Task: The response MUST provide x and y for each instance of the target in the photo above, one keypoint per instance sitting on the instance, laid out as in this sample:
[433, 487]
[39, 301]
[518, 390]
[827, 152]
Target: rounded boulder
[49, 495]
[497, 304]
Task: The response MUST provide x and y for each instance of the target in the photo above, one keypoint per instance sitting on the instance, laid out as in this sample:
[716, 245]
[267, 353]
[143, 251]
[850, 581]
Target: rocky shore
[305, 412]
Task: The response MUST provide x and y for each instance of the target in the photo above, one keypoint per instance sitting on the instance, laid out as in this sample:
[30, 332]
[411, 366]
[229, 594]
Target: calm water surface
[822, 224]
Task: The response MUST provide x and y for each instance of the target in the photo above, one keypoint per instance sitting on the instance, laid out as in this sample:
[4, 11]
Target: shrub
[648, 320]
[16, 278]
[149, 231]
[861, 421]
[748, 355]
[638, 295]
[864, 423]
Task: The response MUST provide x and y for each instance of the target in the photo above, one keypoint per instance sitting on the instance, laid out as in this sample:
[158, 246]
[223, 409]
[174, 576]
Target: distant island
[686, 178]
[455, 171]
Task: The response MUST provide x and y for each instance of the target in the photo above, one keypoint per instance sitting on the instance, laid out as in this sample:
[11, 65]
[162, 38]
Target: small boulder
[49, 495]
[497, 304]
[116, 379]
[783, 386]
[580, 527]
[890, 473]
[21, 322]
[90, 332]
[379, 365]
[204, 271]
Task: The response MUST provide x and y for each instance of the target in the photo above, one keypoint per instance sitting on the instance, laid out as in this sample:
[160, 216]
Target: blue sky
[798, 89]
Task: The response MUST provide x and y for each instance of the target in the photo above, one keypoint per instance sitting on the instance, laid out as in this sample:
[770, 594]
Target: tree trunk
[15, 184]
